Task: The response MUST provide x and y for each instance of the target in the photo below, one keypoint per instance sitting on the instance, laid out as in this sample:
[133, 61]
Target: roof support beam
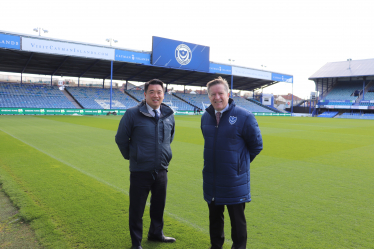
[138, 73]
[117, 69]
[161, 75]
[187, 74]
[60, 65]
[24, 68]
[207, 75]
[88, 68]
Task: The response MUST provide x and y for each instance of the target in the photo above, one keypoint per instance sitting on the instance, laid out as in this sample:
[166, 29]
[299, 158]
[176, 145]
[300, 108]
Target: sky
[294, 37]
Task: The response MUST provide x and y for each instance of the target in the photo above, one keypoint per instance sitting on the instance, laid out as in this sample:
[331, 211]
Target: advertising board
[64, 48]
[179, 54]
[10, 41]
[219, 68]
[134, 57]
[251, 73]
[281, 77]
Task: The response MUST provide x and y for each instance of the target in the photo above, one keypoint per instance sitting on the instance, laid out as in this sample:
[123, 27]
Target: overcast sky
[289, 36]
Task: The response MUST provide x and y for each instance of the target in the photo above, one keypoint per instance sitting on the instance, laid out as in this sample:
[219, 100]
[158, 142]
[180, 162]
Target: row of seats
[344, 90]
[99, 98]
[357, 116]
[32, 96]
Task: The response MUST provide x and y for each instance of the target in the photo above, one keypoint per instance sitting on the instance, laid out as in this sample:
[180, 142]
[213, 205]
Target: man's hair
[217, 81]
[153, 82]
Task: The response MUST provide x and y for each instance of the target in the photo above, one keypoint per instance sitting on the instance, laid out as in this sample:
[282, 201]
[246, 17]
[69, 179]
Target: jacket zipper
[214, 161]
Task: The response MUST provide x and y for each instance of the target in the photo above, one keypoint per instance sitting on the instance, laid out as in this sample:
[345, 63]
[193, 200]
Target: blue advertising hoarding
[178, 54]
[219, 68]
[134, 57]
[10, 41]
[282, 78]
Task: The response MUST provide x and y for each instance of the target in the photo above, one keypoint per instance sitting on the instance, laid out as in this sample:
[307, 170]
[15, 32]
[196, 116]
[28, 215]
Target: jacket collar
[211, 111]
[165, 110]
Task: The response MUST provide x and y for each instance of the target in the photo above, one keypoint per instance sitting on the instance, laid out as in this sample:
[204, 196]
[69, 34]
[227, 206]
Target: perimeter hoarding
[179, 54]
[10, 41]
[64, 48]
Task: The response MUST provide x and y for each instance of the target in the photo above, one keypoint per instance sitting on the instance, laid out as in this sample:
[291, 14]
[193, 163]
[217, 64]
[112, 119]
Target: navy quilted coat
[228, 150]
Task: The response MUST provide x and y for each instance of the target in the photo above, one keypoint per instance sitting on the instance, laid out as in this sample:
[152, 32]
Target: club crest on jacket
[232, 120]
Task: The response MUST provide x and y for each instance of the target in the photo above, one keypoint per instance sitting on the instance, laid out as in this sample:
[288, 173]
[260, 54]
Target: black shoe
[162, 239]
[136, 247]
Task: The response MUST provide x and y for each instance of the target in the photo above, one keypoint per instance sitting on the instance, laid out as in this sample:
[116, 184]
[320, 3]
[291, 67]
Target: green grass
[312, 185]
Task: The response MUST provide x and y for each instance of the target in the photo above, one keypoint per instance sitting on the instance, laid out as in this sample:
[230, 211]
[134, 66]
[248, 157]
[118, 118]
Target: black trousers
[238, 225]
[140, 185]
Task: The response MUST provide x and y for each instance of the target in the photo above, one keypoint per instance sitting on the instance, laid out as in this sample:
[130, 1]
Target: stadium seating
[328, 114]
[251, 106]
[357, 116]
[170, 100]
[198, 100]
[99, 98]
[32, 96]
[344, 90]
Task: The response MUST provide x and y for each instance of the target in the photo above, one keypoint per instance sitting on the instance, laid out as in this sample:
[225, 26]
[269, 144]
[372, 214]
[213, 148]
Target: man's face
[154, 96]
[218, 97]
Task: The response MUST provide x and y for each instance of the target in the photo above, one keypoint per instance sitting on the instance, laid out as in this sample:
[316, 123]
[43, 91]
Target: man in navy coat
[232, 140]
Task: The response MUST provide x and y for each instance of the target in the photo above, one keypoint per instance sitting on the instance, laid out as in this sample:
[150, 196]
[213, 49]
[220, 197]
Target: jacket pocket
[167, 132]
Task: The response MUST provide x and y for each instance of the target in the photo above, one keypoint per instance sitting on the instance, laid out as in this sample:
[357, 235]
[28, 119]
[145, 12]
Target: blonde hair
[217, 81]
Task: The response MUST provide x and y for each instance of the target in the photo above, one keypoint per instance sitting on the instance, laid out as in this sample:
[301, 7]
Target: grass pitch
[312, 185]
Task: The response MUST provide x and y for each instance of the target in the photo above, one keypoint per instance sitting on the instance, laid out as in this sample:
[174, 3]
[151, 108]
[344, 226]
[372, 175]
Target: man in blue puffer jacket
[232, 140]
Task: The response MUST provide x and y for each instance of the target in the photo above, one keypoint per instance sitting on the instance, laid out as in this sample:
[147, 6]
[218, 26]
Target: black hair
[153, 82]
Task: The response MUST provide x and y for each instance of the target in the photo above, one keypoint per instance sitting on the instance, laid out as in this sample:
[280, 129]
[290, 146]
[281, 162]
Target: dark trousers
[140, 185]
[238, 225]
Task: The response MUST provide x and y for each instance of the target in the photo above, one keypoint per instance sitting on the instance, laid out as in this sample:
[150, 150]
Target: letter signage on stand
[282, 78]
[134, 57]
[219, 68]
[178, 54]
[64, 48]
[10, 41]
[251, 73]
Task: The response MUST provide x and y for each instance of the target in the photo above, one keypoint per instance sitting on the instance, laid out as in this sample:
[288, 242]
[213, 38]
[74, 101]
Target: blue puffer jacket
[228, 150]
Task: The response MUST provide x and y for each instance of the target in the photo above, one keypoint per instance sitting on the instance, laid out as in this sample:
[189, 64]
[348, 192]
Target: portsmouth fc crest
[232, 120]
[183, 54]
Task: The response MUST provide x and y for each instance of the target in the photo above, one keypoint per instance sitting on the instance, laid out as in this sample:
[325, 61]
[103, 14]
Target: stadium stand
[357, 115]
[199, 100]
[170, 100]
[252, 105]
[32, 96]
[99, 98]
[344, 91]
[328, 114]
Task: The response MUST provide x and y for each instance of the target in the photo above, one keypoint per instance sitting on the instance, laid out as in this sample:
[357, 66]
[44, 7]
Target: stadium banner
[179, 54]
[281, 77]
[10, 41]
[219, 68]
[133, 57]
[64, 48]
[354, 107]
[363, 107]
[251, 73]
